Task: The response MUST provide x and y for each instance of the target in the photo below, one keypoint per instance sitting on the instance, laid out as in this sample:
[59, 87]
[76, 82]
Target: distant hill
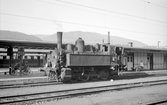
[69, 37]
[12, 35]
[41, 36]
[92, 38]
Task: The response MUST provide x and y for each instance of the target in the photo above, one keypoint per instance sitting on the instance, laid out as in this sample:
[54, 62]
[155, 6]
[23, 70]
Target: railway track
[56, 95]
[28, 84]
[163, 102]
[54, 83]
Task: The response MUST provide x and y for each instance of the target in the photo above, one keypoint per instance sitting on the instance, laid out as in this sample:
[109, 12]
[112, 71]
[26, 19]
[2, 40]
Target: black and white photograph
[83, 52]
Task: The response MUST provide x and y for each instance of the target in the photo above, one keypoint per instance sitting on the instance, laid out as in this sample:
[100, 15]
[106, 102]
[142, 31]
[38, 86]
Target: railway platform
[38, 76]
[4, 73]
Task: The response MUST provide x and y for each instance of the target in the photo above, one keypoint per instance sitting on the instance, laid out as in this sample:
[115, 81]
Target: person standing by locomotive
[141, 65]
[47, 67]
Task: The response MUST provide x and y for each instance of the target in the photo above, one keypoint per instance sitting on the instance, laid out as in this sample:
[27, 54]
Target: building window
[131, 59]
[28, 57]
[41, 57]
[4, 57]
[7, 57]
[1, 57]
[35, 57]
[25, 57]
[32, 57]
[128, 59]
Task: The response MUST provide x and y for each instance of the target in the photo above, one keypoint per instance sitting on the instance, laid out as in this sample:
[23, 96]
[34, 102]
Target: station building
[152, 58]
[32, 57]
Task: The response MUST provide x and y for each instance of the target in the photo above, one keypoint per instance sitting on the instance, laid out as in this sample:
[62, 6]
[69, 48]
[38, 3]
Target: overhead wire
[106, 15]
[111, 11]
[163, 43]
[148, 2]
[66, 29]
[104, 27]
[27, 24]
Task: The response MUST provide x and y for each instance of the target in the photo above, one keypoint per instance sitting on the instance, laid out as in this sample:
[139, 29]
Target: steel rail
[158, 102]
[7, 86]
[28, 84]
[81, 91]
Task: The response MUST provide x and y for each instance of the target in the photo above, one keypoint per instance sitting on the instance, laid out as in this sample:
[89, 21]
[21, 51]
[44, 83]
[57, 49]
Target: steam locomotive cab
[80, 62]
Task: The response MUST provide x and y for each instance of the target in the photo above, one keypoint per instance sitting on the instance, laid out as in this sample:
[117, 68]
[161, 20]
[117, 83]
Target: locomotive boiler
[84, 62]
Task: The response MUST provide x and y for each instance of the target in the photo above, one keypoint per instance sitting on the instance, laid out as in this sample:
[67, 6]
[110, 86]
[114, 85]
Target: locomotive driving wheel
[104, 74]
[94, 75]
[85, 75]
[74, 77]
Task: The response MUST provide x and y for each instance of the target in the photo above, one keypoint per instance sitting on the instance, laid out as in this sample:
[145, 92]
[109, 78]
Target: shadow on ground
[127, 76]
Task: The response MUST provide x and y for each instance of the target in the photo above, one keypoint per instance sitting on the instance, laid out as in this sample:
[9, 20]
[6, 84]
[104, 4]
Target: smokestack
[109, 47]
[59, 40]
[108, 37]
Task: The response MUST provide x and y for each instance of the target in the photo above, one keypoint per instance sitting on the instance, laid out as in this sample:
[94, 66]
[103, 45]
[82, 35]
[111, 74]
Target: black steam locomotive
[85, 62]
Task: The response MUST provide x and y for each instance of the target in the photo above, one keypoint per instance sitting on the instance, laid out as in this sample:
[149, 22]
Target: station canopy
[29, 46]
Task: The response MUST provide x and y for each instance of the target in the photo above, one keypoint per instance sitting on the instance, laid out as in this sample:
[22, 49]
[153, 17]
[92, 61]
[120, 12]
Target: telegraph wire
[136, 31]
[157, 5]
[111, 11]
[164, 43]
[104, 27]
[106, 15]
[148, 2]
[67, 29]
[27, 24]
[49, 19]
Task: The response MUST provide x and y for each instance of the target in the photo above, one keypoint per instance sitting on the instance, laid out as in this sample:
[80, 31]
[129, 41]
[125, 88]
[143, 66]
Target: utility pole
[158, 43]
[108, 37]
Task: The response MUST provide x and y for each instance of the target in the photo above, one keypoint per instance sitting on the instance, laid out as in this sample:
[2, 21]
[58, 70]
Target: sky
[141, 20]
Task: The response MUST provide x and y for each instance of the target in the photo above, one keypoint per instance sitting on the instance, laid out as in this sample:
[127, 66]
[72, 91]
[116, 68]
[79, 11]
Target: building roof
[146, 49]
[27, 44]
